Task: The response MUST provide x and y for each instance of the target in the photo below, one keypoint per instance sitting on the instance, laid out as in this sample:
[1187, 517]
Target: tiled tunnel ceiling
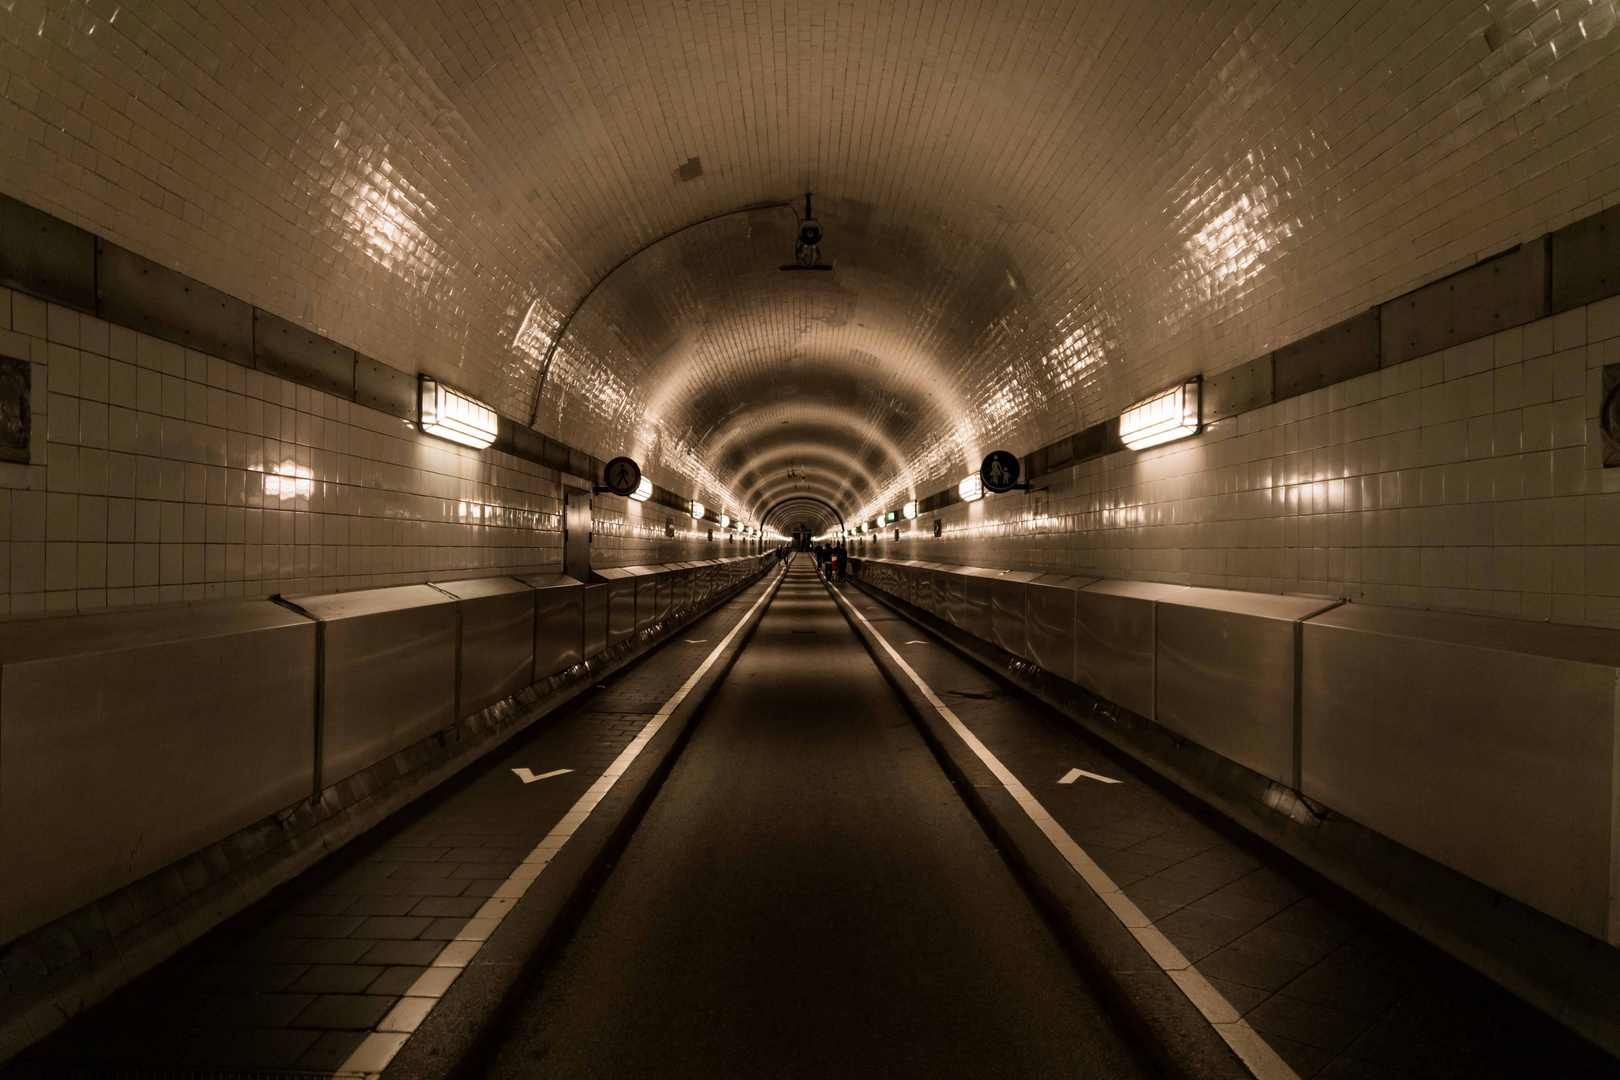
[1035, 211]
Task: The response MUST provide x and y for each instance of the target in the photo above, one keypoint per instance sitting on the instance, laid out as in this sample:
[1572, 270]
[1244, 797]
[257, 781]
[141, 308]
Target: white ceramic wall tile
[161, 474]
[1481, 491]
[1037, 211]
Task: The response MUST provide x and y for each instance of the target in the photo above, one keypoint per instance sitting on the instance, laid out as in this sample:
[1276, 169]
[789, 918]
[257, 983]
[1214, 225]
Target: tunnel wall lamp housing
[450, 414]
[910, 510]
[698, 510]
[643, 490]
[971, 489]
[1168, 415]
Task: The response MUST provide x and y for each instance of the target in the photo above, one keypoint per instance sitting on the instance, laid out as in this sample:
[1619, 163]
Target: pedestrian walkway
[809, 897]
[299, 981]
[1337, 990]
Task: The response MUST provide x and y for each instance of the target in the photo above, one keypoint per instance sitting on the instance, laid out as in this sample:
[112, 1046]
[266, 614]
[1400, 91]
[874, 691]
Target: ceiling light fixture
[1168, 415]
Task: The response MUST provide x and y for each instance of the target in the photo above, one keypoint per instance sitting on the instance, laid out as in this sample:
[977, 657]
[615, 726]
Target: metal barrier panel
[666, 591]
[1009, 610]
[596, 619]
[646, 596]
[1049, 631]
[497, 640]
[559, 623]
[390, 672]
[978, 614]
[956, 601]
[1226, 673]
[621, 604]
[1114, 641]
[1485, 743]
[129, 740]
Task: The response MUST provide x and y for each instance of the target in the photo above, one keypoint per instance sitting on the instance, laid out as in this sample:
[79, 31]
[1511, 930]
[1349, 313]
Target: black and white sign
[999, 471]
[622, 476]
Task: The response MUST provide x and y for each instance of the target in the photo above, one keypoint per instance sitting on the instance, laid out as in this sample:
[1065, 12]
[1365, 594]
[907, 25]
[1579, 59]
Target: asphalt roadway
[809, 896]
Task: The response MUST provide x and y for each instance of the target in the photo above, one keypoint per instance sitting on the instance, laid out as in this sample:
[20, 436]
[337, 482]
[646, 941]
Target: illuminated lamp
[725, 521]
[910, 510]
[1167, 415]
[971, 488]
[450, 414]
[890, 516]
[643, 490]
[697, 510]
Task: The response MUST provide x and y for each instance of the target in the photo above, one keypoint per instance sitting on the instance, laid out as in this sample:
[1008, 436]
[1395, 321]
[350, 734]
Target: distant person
[840, 559]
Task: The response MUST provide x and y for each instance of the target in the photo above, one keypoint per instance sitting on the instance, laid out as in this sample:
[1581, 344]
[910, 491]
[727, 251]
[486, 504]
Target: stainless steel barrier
[559, 623]
[1049, 632]
[389, 674]
[497, 640]
[131, 739]
[1226, 673]
[1115, 645]
[1487, 744]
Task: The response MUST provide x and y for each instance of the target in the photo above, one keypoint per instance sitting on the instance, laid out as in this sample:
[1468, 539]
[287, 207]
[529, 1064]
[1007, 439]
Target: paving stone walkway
[296, 982]
[1340, 991]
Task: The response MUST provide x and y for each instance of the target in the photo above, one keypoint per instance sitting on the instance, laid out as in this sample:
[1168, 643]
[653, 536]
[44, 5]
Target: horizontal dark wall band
[47, 258]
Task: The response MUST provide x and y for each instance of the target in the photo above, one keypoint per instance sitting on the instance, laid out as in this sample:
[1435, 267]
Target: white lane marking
[695, 641]
[528, 777]
[916, 643]
[1251, 1049]
[379, 1047]
[1074, 774]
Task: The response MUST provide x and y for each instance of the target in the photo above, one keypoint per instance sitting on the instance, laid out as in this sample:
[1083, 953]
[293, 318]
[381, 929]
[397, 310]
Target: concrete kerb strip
[1188, 1026]
[440, 1028]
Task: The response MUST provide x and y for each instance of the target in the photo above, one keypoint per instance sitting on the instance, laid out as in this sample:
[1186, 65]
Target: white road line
[378, 1049]
[1074, 774]
[1254, 1051]
[528, 777]
[916, 643]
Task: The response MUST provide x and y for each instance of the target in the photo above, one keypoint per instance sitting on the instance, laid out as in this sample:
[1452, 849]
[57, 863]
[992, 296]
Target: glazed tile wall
[1037, 211]
[159, 474]
[1468, 479]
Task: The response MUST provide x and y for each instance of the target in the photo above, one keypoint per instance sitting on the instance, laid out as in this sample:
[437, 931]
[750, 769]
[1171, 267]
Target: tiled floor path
[298, 980]
[1339, 990]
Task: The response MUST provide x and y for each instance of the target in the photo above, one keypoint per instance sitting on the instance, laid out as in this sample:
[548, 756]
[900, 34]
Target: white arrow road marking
[916, 643]
[1074, 774]
[697, 641]
[528, 777]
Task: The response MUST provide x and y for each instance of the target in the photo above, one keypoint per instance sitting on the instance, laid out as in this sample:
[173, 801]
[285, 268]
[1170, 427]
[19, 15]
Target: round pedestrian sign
[621, 476]
[999, 471]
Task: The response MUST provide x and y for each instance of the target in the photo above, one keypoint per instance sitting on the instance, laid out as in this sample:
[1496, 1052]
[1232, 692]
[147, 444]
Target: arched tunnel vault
[1035, 213]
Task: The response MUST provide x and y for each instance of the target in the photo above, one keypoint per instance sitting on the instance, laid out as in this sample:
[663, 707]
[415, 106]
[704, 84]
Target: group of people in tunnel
[831, 560]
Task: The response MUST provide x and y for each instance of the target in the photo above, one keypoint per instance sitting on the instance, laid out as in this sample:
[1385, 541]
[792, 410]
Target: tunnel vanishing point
[812, 539]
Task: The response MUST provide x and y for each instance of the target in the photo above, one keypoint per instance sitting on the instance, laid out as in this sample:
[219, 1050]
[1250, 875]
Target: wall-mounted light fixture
[725, 521]
[697, 510]
[450, 414]
[1168, 415]
[910, 510]
[643, 490]
[971, 488]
